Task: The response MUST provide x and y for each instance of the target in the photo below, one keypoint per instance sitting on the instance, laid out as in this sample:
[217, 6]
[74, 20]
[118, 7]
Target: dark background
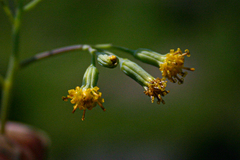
[200, 119]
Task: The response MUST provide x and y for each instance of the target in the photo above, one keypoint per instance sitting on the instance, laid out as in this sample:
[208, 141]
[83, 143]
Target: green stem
[93, 55]
[6, 93]
[12, 69]
[109, 46]
[7, 11]
[124, 49]
[31, 5]
[103, 46]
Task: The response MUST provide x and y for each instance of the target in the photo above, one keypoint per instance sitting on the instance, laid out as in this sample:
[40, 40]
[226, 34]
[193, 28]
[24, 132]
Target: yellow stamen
[173, 65]
[85, 98]
[156, 89]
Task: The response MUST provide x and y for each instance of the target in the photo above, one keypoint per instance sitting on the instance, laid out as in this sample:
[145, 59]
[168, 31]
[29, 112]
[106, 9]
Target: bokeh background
[201, 118]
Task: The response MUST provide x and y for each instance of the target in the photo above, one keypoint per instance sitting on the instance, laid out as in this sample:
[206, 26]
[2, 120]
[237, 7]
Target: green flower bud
[144, 55]
[149, 56]
[90, 77]
[135, 72]
[109, 61]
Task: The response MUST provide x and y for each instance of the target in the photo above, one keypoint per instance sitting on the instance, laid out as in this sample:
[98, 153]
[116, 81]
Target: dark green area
[200, 119]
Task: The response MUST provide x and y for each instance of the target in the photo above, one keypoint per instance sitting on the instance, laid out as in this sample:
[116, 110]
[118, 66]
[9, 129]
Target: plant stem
[31, 5]
[124, 49]
[7, 11]
[12, 69]
[110, 46]
[46, 54]
[93, 55]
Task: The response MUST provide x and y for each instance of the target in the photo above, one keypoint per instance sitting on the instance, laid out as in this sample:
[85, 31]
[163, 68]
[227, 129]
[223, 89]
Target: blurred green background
[200, 119]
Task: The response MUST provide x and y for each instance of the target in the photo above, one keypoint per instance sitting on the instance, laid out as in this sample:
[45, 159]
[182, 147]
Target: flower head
[156, 89]
[173, 65]
[85, 98]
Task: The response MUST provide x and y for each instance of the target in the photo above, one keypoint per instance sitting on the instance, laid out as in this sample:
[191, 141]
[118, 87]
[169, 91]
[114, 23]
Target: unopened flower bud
[148, 56]
[135, 72]
[109, 61]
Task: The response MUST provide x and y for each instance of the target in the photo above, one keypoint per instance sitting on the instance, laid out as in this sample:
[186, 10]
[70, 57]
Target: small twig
[7, 10]
[31, 5]
[46, 54]
[110, 46]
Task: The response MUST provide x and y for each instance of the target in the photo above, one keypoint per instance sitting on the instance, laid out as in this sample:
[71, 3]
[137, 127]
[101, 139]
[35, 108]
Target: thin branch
[31, 5]
[103, 46]
[12, 68]
[7, 10]
[46, 54]
[110, 46]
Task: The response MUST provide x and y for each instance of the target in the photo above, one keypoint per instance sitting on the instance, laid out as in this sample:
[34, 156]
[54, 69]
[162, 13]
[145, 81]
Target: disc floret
[173, 65]
[156, 89]
[85, 98]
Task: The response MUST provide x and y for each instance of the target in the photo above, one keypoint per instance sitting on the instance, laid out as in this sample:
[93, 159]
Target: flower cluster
[171, 66]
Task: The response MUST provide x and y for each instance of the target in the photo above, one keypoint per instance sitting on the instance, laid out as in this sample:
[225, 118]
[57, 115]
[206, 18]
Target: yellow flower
[85, 98]
[173, 65]
[156, 88]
